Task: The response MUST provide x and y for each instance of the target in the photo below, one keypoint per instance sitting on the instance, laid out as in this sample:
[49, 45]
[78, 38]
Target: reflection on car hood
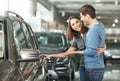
[52, 49]
[114, 51]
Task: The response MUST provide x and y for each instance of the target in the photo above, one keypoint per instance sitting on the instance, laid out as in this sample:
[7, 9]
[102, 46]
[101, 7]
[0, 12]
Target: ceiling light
[116, 2]
[115, 40]
[113, 25]
[116, 21]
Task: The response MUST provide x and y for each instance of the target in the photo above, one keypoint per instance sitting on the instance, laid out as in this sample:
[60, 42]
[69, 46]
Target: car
[19, 53]
[51, 42]
[112, 53]
[56, 42]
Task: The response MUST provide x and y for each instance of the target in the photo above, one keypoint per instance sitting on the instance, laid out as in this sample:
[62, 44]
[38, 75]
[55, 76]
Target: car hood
[114, 51]
[52, 49]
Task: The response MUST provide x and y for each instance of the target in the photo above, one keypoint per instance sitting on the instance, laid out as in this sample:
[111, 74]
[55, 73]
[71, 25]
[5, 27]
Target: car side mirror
[29, 55]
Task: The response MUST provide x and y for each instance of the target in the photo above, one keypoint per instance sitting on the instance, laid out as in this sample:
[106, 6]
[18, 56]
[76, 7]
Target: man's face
[84, 19]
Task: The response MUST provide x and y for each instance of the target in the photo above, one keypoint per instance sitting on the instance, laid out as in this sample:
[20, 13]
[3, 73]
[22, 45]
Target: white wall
[3, 6]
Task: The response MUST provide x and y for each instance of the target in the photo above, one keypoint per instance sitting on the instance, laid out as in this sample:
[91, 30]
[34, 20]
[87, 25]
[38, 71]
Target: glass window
[22, 36]
[50, 40]
[55, 40]
[22, 40]
[27, 35]
[19, 37]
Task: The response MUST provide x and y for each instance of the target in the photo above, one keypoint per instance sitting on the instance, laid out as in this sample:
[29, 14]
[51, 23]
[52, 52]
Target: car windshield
[54, 40]
[113, 45]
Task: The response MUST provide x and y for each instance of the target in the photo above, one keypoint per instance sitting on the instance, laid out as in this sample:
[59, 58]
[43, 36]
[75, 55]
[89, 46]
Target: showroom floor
[112, 72]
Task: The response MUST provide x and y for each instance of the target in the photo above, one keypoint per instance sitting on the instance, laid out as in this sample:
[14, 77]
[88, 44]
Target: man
[95, 39]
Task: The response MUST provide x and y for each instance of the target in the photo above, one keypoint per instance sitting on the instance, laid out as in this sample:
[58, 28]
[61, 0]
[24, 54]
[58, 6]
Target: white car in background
[112, 52]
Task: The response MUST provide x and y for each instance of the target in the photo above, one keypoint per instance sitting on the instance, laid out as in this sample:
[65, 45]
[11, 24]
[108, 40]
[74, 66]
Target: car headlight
[107, 53]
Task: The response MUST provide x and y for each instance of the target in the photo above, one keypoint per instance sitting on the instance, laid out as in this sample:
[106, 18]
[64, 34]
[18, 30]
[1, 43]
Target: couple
[88, 41]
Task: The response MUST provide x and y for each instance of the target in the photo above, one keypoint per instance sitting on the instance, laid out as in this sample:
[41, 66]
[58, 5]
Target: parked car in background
[19, 53]
[56, 42]
[112, 53]
[51, 42]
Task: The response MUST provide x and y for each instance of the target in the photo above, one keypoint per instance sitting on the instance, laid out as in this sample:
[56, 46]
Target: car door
[7, 66]
[17, 35]
[24, 39]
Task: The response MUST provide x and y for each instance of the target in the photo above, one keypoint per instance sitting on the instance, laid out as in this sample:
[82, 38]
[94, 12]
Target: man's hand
[100, 51]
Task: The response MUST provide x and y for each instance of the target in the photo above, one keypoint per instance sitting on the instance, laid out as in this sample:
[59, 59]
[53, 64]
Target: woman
[76, 33]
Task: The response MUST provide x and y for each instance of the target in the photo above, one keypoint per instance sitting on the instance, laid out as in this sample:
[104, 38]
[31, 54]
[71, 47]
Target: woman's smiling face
[75, 24]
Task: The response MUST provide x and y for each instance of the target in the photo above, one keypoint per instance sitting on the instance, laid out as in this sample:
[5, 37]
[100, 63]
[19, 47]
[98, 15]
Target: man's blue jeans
[95, 74]
[83, 76]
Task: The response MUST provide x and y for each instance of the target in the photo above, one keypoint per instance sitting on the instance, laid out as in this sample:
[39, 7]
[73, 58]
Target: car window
[27, 36]
[1, 40]
[55, 40]
[19, 36]
[22, 40]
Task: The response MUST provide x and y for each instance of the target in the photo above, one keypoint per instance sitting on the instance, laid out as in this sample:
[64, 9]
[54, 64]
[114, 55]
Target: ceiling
[107, 10]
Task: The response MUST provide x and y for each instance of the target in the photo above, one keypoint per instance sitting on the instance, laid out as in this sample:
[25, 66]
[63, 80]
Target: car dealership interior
[27, 26]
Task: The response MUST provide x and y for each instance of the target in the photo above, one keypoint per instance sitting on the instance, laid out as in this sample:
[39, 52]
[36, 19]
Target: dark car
[112, 53]
[51, 42]
[19, 53]
[56, 42]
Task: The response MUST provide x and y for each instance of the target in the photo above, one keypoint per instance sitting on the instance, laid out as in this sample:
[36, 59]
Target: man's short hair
[88, 9]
